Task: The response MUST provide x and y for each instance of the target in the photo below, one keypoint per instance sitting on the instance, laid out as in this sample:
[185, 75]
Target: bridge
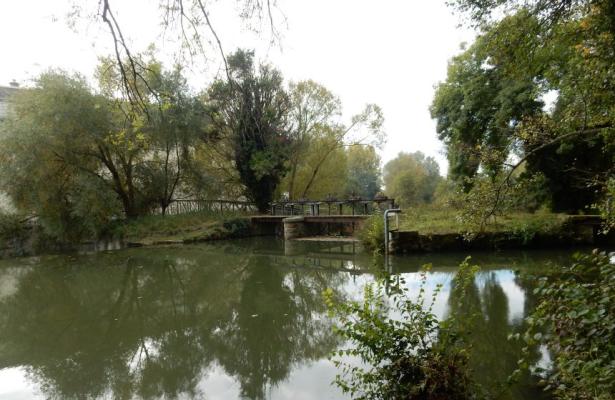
[309, 218]
[295, 219]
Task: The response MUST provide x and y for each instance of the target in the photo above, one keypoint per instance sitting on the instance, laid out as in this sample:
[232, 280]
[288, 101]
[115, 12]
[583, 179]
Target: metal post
[386, 227]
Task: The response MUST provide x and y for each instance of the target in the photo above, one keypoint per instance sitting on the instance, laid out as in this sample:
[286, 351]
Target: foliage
[252, 107]
[364, 176]
[79, 160]
[412, 178]
[321, 138]
[477, 108]
[436, 220]
[490, 112]
[331, 171]
[405, 351]
[12, 227]
[44, 170]
[372, 233]
[575, 319]
[607, 208]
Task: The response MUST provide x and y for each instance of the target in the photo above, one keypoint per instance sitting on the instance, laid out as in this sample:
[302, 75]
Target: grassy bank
[192, 227]
[427, 220]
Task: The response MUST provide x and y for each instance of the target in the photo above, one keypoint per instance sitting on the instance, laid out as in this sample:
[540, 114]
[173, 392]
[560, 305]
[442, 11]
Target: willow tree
[322, 137]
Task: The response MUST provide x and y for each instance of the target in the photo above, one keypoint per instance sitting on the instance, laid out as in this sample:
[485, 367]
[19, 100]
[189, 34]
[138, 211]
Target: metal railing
[355, 206]
[199, 205]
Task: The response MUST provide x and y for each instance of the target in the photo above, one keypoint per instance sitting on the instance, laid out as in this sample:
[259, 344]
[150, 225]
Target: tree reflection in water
[493, 357]
[150, 323]
[153, 323]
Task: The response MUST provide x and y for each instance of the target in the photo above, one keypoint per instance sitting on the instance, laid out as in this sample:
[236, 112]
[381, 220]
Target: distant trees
[412, 178]
[364, 176]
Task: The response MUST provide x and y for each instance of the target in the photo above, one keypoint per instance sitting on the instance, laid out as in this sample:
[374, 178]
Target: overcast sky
[388, 52]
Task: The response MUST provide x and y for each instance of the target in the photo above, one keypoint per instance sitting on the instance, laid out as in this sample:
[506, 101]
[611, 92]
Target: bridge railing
[214, 206]
[356, 206]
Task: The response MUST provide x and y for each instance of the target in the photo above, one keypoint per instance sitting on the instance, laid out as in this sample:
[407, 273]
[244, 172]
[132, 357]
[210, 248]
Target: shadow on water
[159, 322]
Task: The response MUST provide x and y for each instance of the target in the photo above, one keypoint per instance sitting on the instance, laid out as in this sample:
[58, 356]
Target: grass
[169, 228]
[428, 220]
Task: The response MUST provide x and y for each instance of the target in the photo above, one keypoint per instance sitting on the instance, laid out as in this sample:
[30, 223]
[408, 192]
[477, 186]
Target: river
[224, 320]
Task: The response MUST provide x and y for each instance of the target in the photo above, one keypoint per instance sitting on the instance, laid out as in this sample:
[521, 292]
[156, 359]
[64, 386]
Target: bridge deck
[324, 219]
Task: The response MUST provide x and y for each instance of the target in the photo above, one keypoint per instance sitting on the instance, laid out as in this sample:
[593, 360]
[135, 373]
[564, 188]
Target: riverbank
[184, 228]
[428, 230]
[23, 238]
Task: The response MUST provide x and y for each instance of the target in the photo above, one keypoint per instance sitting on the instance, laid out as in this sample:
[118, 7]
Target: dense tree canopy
[252, 108]
[526, 52]
[79, 159]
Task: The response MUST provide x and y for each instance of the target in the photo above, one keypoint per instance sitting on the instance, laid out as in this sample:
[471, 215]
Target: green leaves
[407, 353]
[575, 319]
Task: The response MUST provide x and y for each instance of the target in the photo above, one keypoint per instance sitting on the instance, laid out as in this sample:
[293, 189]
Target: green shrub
[12, 228]
[372, 233]
[408, 356]
[237, 227]
[575, 319]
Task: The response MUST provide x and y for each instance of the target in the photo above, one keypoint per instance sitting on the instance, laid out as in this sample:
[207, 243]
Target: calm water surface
[240, 319]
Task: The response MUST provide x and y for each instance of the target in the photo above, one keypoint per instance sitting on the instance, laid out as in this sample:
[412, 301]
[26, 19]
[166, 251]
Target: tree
[477, 109]
[412, 178]
[50, 155]
[364, 175]
[553, 47]
[314, 110]
[78, 160]
[177, 122]
[148, 159]
[252, 107]
[321, 136]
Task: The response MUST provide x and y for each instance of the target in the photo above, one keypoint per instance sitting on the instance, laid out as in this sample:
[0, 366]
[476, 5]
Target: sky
[388, 52]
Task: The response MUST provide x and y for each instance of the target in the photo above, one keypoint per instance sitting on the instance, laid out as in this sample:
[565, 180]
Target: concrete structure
[308, 225]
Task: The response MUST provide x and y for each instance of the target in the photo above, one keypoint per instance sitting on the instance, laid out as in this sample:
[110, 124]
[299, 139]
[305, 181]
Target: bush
[575, 319]
[12, 228]
[411, 356]
[372, 233]
[237, 227]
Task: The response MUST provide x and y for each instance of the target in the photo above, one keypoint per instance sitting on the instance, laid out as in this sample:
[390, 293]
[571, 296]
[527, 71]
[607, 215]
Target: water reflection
[159, 322]
[150, 323]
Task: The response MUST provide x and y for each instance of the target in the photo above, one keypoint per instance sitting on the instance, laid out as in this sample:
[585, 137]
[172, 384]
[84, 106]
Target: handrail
[357, 205]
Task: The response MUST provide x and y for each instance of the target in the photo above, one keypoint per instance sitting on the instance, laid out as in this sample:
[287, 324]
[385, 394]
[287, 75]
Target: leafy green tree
[252, 108]
[52, 145]
[331, 171]
[177, 122]
[477, 109]
[364, 174]
[412, 178]
[314, 109]
[552, 47]
[78, 160]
